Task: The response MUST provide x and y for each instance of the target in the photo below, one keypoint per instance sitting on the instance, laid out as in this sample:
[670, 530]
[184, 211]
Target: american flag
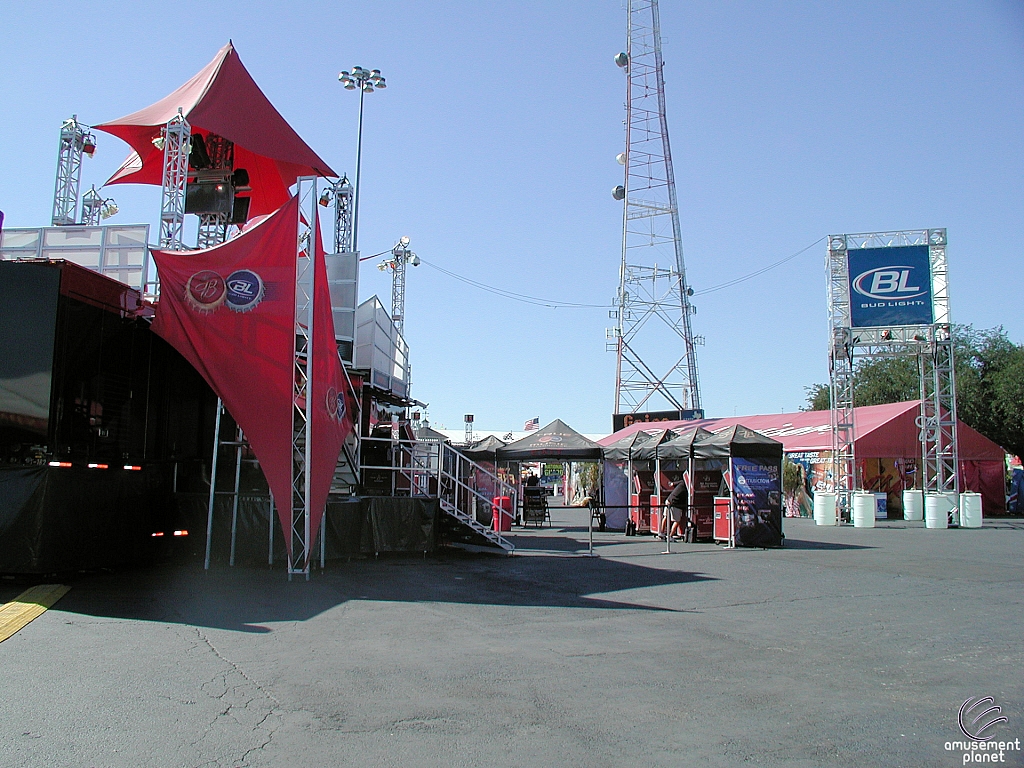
[532, 424]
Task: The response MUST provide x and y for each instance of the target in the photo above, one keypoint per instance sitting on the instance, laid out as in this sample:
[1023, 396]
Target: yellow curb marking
[29, 605]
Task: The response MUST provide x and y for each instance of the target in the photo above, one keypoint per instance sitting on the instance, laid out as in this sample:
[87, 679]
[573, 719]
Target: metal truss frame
[73, 136]
[342, 189]
[931, 344]
[177, 135]
[302, 406]
[213, 230]
[650, 229]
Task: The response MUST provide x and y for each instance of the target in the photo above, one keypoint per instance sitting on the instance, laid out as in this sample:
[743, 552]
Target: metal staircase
[427, 469]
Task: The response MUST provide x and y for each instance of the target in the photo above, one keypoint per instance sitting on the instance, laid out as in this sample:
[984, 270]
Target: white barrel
[863, 510]
[936, 510]
[970, 510]
[824, 508]
[913, 504]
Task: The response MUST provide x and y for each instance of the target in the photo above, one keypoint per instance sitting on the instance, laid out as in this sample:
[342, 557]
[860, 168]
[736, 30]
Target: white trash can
[863, 510]
[824, 508]
[913, 504]
[970, 510]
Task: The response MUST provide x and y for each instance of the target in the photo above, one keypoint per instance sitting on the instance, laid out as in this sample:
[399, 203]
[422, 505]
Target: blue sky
[493, 148]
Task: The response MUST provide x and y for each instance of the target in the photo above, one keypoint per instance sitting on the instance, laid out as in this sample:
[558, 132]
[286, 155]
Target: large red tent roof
[222, 99]
[882, 431]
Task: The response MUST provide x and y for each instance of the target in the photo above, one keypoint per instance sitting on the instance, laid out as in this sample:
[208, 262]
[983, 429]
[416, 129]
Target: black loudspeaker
[240, 211]
[209, 197]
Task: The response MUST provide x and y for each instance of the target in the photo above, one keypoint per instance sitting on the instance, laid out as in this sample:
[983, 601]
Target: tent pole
[270, 550]
[662, 518]
[213, 483]
[234, 504]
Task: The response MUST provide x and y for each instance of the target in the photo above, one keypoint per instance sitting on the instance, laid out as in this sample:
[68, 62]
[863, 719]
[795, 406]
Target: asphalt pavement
[847, 647]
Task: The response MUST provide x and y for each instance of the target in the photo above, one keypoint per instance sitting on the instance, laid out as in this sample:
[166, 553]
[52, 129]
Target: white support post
[213, 483]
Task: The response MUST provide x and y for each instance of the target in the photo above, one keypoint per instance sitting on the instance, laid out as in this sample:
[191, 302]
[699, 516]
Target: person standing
[676, 504]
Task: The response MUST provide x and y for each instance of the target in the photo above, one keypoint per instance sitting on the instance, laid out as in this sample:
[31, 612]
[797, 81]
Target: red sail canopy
[229, 310]
[222, 99]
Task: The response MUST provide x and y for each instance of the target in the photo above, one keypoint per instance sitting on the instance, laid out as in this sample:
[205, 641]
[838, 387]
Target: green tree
[989, 371]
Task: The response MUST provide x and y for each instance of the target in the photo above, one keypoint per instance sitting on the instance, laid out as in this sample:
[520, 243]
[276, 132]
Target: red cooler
[501, 513]
[723, 519]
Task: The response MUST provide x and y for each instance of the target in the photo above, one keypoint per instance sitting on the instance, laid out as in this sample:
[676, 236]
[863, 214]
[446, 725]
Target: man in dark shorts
[676, 504]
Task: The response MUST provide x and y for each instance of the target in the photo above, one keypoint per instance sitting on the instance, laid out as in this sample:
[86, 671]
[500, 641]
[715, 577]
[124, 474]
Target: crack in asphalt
[229, 711]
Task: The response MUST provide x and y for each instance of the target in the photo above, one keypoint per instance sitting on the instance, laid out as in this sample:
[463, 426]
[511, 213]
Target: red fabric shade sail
[222, 99]
[229, 310]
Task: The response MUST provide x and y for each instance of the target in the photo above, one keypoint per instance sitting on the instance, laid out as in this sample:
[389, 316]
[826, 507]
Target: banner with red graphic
[230, 311]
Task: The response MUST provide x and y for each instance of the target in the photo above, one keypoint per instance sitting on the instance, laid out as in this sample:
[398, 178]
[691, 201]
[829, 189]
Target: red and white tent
[881, 432]
[222, 99]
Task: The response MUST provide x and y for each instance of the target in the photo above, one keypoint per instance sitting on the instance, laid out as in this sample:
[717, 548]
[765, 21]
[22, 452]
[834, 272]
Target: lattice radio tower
[655, 369]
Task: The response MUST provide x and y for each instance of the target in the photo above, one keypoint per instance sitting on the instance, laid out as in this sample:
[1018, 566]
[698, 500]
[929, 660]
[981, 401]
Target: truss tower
[653, 339]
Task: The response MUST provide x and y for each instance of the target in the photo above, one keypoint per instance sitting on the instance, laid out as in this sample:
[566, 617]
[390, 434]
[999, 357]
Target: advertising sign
[757, 490]
[622, 420]
[890, 286]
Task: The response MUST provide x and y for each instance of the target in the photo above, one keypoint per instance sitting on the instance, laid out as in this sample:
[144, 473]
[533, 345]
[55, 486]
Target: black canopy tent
[557, 441]
[755, 473]
[624, 449]
[485, 449]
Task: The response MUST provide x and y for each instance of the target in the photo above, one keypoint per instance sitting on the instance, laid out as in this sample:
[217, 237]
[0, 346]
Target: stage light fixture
[619, 192]
[621, 59]
[415, 260]
[621, 158]
[325, 198]
[158, 142]
[89, 146]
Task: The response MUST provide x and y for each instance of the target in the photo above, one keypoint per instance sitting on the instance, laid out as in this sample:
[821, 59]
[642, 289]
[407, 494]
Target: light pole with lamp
[366, 80]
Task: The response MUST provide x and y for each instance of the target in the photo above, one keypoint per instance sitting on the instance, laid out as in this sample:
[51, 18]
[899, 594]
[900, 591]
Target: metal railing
[429, 469]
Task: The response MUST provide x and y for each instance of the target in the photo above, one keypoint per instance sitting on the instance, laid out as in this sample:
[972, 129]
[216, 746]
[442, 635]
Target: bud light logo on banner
[890, 286]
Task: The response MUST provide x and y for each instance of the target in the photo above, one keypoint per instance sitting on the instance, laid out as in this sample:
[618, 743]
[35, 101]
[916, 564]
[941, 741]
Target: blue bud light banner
[890, 286]
[757, 490]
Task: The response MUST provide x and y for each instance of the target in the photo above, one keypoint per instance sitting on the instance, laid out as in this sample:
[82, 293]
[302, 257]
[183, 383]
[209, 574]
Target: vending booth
[752, 465]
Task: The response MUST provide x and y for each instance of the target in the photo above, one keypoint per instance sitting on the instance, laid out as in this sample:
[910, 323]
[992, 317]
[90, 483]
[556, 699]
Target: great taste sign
[890, 286]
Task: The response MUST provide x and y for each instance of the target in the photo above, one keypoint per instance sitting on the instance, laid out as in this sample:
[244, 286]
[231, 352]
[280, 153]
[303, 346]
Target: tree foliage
[989, 371]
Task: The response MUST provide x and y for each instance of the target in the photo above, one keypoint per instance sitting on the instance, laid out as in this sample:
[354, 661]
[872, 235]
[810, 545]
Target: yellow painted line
[29, 605]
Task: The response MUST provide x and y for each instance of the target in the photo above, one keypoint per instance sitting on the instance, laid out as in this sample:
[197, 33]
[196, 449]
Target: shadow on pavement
[799, 544]
[252, 599]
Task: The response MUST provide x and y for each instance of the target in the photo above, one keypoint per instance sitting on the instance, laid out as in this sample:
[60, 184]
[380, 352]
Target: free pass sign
[890, 286]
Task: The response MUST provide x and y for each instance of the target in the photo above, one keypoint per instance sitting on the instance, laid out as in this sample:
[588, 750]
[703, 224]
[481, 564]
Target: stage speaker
[240, 211]
[209, 197]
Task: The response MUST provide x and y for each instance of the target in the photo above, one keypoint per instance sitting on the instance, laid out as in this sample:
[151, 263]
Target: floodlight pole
[366, 81]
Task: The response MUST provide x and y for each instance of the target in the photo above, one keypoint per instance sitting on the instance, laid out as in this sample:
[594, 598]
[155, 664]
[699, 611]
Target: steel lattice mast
[653, 368]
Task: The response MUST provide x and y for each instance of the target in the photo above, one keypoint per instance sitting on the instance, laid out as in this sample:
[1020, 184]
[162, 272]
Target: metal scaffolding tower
[653, 368]
[305, 252]
[176, 139]
[342, 190]
[930, 343]
[75, 141]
